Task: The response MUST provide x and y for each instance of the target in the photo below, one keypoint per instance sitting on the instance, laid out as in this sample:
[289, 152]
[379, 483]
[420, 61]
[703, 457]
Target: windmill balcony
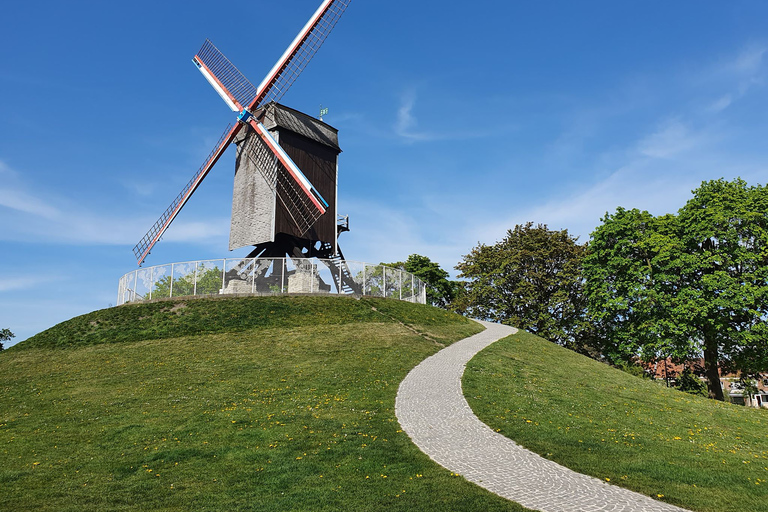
[269, 276]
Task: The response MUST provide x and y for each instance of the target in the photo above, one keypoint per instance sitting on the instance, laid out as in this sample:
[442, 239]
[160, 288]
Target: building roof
[280, 116]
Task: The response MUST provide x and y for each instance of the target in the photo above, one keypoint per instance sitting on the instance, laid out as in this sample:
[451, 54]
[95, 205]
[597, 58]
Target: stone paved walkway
[431, 408]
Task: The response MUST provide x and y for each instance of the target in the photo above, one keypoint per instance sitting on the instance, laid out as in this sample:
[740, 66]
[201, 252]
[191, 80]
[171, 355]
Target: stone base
[306, 280]
[237, 286]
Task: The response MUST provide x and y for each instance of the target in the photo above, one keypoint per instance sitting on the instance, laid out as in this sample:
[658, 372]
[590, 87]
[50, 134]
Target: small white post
[194, 285]
[400, 283]
[135, 284]
[253, 276]
[171, 294]
[282, 278]
[384, 280]
[151, 281]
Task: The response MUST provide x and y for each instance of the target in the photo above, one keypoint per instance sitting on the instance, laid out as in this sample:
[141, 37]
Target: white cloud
[721, 104]
[14, 196]
[749, 61]
[382, 233]
[670, 140]
[406, 121]
[27, 217]
[8, 284]
[739, 74]
[141, 188]
[406, 124]
[580, 212]
[16, 199]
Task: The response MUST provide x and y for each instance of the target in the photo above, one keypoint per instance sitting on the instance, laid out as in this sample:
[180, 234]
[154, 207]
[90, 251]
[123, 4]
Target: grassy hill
[264, 403]
[687, 450]
[287, 403]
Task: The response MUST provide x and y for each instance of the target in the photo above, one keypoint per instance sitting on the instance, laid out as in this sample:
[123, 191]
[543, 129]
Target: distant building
[670, 371]
[733, 387]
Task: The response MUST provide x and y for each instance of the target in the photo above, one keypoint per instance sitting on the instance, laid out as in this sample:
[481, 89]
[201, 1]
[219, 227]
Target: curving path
[431, 408]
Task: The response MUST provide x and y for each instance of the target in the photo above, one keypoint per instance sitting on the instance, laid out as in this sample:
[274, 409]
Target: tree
[690, 383]
[441, 290]
[532, 280]
[209, 281]
[5, 335]
[687, 284]
[623, 287]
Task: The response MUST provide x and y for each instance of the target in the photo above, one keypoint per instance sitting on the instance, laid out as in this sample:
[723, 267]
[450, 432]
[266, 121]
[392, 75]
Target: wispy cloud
[141, 188]
[382, 233]
[721, 103]
[406, 123]
[748, 62]
[672, 138]
[21, 201]
[8, 284]
[654, 170]
[407, 127]
[28, 217]
[738, 74]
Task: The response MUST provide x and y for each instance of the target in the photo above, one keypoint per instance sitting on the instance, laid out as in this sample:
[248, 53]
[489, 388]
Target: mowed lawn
[280, 403]
[689, 451]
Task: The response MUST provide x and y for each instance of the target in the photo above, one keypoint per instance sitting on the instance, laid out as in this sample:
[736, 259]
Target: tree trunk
[711, 370]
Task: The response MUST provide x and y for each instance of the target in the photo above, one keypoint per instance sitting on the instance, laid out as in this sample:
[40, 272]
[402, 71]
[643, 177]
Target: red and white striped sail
[141, 250]
[295, 192]
[299, 53]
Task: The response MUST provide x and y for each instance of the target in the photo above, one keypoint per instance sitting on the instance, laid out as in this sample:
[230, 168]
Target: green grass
[690, 451]
[273, 403]
[182, 317]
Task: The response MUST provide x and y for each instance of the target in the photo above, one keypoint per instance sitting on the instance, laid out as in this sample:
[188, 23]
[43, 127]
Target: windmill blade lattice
[229, 77]
[302, 210]
[301, 51]
[141, 250]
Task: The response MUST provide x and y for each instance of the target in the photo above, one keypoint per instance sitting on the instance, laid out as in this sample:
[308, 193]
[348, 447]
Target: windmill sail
[299, 53]
[141, 250]
[236, 90]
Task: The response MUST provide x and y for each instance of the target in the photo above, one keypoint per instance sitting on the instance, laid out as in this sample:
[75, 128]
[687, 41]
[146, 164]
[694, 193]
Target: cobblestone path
[432, 410]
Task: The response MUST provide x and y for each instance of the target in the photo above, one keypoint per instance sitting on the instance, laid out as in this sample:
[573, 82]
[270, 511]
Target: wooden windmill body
[260, 217]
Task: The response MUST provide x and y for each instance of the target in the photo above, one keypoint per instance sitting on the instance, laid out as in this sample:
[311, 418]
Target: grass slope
[270, 403]
[686, 450]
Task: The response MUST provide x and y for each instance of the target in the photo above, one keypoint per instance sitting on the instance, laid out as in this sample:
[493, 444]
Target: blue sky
[457, 122]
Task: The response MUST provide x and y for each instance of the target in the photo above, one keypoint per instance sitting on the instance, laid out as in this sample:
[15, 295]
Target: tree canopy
[441, 290]
[5, 335]
[531, 279]
[208, 281]
[686, 284]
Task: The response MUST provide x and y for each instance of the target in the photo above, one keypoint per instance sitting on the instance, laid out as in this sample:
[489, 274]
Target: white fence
[269, 276]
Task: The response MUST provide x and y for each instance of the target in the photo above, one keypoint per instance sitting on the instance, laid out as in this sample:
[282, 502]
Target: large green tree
[5, 335]
[686, 285]
[531, 279]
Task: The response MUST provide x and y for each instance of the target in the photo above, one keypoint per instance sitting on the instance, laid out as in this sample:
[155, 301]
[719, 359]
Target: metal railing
[269, 276]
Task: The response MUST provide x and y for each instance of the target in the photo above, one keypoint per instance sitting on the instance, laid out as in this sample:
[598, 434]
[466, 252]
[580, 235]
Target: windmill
[275, 207]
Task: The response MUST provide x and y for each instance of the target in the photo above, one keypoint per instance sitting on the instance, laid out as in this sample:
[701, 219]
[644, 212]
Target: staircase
[336, 263]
